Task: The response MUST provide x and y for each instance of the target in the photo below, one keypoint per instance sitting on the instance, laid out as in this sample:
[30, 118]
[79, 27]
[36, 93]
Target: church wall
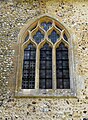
[73, 14]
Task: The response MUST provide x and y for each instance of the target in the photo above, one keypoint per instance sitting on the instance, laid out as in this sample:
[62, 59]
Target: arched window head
[45, 59]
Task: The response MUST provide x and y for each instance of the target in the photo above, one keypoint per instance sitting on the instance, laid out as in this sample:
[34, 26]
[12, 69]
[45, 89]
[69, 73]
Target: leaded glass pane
[38, 37]
[65, 64]
[43, 84]
[28, 79]
[45, 25]
[62, 67]
[54, 36]
[45, 74]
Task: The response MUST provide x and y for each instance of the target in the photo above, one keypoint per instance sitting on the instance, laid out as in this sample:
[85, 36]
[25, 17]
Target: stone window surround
[19, 92]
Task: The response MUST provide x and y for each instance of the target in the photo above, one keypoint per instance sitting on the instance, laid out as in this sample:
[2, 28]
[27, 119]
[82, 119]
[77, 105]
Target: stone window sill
[45, 93]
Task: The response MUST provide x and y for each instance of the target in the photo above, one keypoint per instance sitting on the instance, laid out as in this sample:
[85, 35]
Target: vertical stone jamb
[21, 65]
[17, 75]
[19, 68]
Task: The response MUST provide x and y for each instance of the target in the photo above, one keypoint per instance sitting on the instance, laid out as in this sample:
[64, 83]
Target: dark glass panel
[65, 55]
[48, 64]
[59, 64]
[66, 84]
[38, 36]
[54, 36]
[62, 67]
[42, 74]
[25, 83]
[65, 73]
[28, 79]
[45, 25]
[27, 37]
[48, 83]
[30, 47]
[26, 74]
[45, 67]
[26, 55]
[26, 65]
[48, 73]
[62, 47]
[59, 28]
[42, 65]
[60, 83]
[59, 54]
[34, 27]
[65, 64]
[65, 37]
[43, 84]
[59, 73]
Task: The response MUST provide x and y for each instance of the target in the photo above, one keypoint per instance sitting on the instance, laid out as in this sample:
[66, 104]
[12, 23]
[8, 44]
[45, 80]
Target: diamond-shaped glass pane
[45, 25]
[54, 36]
[38, 37]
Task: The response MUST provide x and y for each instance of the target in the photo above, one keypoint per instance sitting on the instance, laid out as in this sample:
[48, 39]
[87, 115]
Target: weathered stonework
[13, 16]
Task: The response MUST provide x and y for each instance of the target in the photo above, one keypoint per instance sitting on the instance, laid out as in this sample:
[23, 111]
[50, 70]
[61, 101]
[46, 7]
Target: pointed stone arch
[45, 24]
[31, 24]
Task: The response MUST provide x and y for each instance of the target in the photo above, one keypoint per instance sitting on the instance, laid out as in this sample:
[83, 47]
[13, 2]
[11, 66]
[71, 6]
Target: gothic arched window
[45, 59]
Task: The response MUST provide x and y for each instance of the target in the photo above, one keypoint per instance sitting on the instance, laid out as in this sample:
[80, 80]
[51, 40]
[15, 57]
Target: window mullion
[54, 68]
[37, 68]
